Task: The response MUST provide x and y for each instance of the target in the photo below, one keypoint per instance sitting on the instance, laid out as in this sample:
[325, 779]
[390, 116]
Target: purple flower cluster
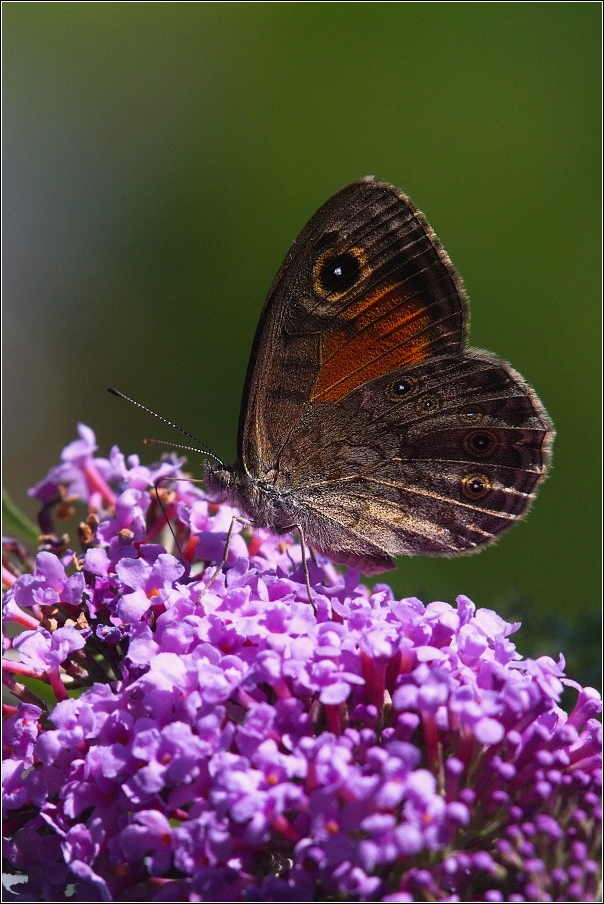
[223, 742]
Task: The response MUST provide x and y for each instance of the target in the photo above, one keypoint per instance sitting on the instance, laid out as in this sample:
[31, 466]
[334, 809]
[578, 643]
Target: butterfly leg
[245, 522]
[311, 599]
[156, 487]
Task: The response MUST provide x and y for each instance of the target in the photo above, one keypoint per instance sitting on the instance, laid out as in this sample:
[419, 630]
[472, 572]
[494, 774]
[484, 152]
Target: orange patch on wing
[383, 331]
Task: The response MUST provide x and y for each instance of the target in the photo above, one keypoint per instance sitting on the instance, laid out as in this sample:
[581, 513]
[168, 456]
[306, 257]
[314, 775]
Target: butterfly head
[220, 481]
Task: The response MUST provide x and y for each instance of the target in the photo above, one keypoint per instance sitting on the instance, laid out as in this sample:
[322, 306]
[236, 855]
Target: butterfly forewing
[400, 301]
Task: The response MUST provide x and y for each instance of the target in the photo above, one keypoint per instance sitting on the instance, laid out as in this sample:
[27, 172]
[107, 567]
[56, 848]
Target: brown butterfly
[366, 422]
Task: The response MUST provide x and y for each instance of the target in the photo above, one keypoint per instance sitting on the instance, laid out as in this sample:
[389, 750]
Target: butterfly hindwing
[436, 459]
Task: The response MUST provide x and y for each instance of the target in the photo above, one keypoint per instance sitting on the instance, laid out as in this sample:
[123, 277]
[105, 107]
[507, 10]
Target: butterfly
[367, 423]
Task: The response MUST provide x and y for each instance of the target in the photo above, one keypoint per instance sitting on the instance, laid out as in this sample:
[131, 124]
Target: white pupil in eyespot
[337, 271]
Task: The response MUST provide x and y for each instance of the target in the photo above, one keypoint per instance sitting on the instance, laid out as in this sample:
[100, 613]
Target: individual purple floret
[178, 734]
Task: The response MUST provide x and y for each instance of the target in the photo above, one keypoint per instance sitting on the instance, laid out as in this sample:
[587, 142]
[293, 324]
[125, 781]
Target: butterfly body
[366, 421]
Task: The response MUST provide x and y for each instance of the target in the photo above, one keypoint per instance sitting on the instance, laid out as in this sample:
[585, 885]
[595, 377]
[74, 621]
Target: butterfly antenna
[163, 442]
[204, 449]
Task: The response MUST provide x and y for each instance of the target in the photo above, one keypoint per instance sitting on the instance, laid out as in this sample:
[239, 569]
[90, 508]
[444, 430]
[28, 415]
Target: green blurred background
[161, 157]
